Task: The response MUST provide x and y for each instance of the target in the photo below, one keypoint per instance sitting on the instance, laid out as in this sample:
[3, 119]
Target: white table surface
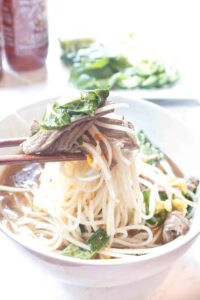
[19, 279]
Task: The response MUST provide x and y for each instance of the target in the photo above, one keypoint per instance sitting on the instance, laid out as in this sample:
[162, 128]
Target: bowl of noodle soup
[116, 267]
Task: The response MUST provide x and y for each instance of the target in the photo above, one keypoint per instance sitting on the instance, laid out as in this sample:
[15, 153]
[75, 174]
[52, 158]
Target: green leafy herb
[146, 196]
[157, 219]
[163, 195]
[97, 71]
[59, 115]
[80, 140]
[147, 148]
[96, 242]
[75, 251]
[193, 184]
[189, 210]
[162, 80]
[189, 197]
[149, 82]
[70, 48]
[173, 76]
[94, 67]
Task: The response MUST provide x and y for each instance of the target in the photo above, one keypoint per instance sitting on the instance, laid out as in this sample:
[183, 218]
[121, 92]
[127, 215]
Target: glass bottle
[25, 33]
[1, 39]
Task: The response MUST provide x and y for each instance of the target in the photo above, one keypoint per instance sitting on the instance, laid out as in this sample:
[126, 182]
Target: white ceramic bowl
[175, 140]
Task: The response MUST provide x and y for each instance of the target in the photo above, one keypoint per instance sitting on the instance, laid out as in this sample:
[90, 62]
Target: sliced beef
[66, 139]
[58, 140]
[115, 135]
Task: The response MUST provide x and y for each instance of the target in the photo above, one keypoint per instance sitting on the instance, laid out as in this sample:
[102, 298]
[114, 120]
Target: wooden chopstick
[12, 142]
[26, 158]
[177, 171]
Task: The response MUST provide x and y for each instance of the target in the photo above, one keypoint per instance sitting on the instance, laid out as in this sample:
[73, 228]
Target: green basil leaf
[157, 219]
[149, 149]
[149, 82]
[75, 251]
[146, 196]
[59, 115]
[98, 240]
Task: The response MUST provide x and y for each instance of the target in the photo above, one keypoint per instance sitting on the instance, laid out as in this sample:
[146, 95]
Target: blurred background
[165, 30]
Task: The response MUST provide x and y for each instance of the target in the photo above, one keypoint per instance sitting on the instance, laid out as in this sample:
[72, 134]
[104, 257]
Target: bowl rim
[159, 251]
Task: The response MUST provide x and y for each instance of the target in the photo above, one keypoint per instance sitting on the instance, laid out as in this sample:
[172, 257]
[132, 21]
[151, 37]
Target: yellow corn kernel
[180, 205]
[160, 205]
[178, 182]
[93, 163]
[168, 205]
[89, 159]
[183, 187]
[172, 180]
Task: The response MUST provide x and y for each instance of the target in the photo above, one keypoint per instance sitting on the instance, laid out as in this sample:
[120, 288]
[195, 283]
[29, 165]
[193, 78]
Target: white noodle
[103, 194]
[129, 131]
[13, 189]
[111, 107]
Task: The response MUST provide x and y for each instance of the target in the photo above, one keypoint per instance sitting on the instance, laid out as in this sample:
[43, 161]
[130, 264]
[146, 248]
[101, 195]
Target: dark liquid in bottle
[25, 33]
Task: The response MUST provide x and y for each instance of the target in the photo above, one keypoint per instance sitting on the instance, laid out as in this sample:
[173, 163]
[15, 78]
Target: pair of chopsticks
[25, 158]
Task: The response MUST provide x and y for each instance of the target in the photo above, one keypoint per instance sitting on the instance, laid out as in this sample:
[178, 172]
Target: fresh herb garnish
[189, 197]
[63, 114]
[75, 251]
[163, 195]
[146, 196]
[193, 184]
[147, 148]
[96, 242]
[157, 219]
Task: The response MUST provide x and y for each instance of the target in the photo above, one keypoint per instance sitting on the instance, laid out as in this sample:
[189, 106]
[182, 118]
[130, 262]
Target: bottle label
[25, 25]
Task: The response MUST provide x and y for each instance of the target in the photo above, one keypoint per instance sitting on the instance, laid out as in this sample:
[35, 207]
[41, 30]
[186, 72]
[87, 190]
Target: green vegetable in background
[149, 149]
[147, 68]
[71, 47]
[94, 67]
[63, 114]
[98, 68]
[149, 82]
[96, 242]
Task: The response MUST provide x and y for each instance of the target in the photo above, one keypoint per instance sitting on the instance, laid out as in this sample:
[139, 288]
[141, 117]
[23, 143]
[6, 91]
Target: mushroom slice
[175, 225]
